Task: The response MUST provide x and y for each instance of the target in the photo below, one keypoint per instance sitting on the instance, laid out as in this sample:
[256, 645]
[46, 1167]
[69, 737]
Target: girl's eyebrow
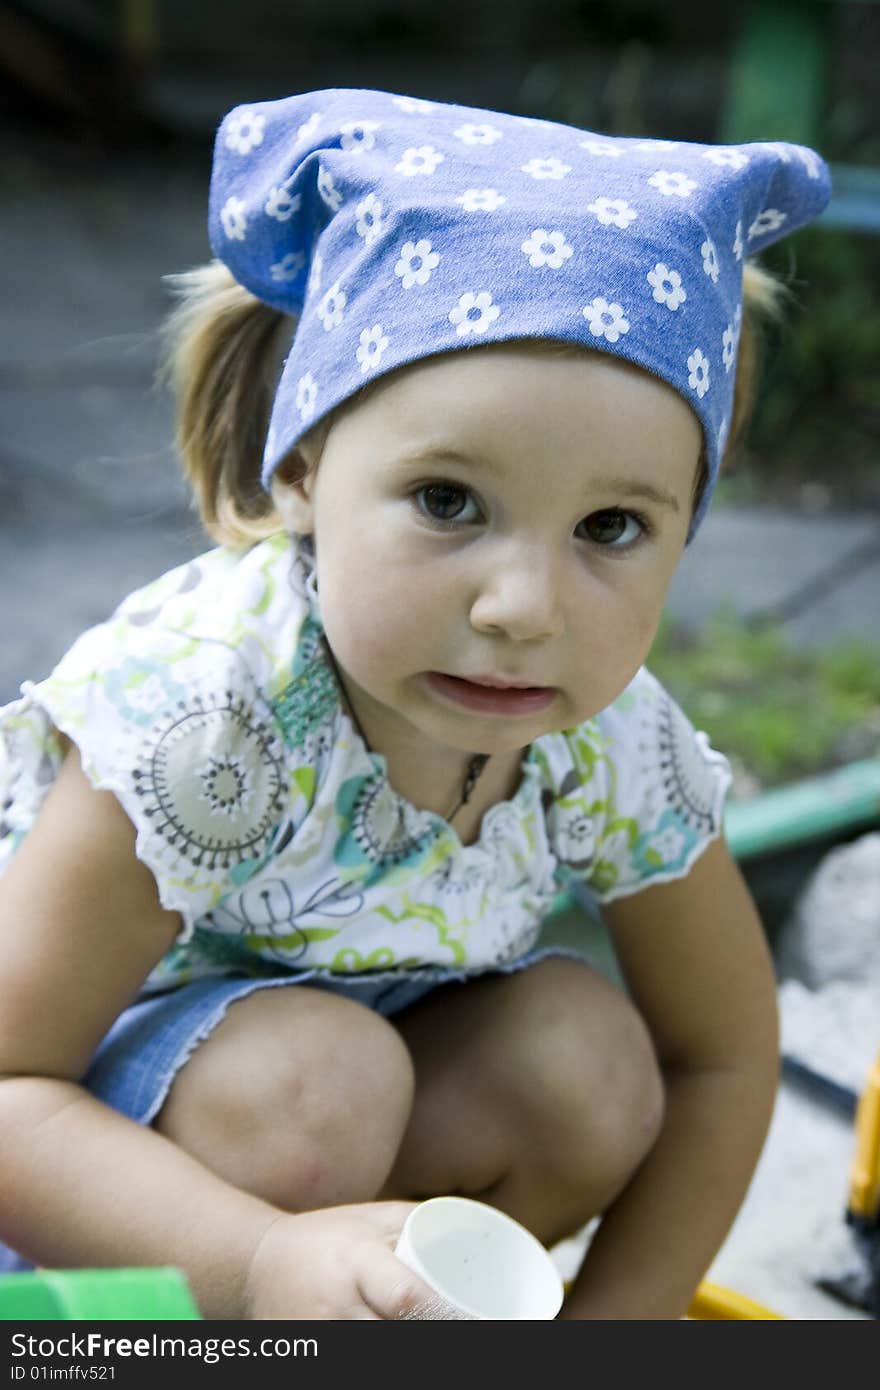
[626, 487]
[434, 453]
[637, 487]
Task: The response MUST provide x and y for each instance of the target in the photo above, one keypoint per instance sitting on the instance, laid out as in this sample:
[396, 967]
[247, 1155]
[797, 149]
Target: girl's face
[501, 514]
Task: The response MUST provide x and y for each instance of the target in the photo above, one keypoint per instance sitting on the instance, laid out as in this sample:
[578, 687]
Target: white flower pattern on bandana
[727, 159]
[368, 219]
[710, 260]
[332, 307]
[373, 343]
[245, 131]
[308, 128]
[603, 149]
[421, 160]
[234, 219]
[281, 204]
[416, 264]
[358, 136]
[606, 320]
[673, 185]
[328, 190]
[414, 106]
[290, 267]
[667, 286]
[769, 220]
[474, 313]
[547, 248]
[551, 168]
[306, 396]
[613, 212]
[698, 372]
[477, 134]
[481, 200]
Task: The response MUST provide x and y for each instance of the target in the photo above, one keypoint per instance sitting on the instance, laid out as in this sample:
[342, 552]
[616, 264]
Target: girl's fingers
[391, 1290]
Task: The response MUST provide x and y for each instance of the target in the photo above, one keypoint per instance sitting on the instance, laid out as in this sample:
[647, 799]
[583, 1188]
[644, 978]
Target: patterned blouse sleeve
[643, 797]
[182, 731]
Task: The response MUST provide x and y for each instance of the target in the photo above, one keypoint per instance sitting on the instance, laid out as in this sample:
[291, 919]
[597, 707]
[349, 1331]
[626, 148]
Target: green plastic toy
[100, 1294]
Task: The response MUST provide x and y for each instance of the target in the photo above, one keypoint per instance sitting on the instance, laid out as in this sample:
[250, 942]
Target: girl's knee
[298, 1096]
[589, 1078]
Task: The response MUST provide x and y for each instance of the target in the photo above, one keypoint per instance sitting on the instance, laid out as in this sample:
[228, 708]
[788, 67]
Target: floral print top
[207, 705]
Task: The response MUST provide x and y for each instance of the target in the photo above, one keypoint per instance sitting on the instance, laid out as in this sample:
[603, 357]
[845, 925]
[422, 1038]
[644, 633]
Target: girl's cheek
[373, 641]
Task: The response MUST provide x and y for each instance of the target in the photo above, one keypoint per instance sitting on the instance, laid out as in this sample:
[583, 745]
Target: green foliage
[779, 712]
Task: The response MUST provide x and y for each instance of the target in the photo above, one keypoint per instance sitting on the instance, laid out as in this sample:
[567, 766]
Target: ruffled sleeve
[642, 796]
[174, 714]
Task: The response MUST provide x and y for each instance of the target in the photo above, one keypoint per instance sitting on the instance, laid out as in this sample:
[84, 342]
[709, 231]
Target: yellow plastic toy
[713, 1302]
[864, 1189]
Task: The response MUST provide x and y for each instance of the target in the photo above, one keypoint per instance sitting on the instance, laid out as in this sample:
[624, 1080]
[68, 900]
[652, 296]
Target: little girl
[278, 837]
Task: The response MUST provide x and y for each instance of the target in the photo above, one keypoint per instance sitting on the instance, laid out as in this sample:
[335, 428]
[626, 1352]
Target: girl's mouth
[485, 699]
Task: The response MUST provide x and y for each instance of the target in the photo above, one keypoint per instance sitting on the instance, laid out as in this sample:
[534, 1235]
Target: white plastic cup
[480, 1260]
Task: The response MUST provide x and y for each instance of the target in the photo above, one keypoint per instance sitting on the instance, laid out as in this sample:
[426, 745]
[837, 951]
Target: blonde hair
[222, 351]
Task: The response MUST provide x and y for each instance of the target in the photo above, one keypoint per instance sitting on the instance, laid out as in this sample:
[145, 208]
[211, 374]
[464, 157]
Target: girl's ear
[291, 485]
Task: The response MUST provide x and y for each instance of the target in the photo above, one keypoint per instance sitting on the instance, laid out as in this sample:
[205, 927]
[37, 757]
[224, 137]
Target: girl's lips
[485, 699]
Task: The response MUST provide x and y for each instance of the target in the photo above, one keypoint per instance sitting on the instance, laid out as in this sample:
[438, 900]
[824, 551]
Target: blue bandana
[395, 228]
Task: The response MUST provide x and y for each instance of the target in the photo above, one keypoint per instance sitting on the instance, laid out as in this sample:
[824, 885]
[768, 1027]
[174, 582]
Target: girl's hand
[337, 1263]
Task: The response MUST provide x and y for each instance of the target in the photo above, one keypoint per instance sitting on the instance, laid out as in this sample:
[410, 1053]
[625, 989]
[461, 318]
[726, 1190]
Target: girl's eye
[443, 502]
[614, 528]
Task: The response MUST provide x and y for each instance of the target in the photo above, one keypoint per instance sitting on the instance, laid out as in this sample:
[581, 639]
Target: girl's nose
[521, 596]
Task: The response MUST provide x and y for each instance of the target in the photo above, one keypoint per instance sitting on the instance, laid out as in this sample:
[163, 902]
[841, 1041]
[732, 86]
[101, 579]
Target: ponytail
[221, 350]
[764, 300]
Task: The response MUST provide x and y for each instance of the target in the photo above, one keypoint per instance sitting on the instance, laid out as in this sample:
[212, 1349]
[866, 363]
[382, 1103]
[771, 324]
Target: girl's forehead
[498, 411]
[521, 385]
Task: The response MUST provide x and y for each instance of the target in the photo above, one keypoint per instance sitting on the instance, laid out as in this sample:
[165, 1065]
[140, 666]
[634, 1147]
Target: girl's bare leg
[537, 1091]
[298, 1096]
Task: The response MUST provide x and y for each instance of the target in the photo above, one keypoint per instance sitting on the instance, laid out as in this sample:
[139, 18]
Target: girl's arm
[696, 962]
[82, 926]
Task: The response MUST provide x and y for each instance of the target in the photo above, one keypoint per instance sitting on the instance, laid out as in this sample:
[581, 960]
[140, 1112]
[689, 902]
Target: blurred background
[109, 109]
